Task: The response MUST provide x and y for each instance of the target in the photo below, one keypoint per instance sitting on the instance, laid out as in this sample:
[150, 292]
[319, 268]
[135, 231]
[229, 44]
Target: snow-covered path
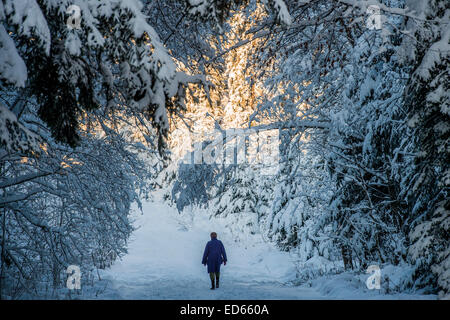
[164, 262]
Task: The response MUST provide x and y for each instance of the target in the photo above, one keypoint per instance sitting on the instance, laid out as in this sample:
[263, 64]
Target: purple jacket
[214, 255]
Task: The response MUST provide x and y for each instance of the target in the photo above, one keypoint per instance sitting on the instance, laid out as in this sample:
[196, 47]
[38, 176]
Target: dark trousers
[216, 274]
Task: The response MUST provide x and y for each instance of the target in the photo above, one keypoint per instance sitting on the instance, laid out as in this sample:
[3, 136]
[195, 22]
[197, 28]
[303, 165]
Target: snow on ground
[164, 262]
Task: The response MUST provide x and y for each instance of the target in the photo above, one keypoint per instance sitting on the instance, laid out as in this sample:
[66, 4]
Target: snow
[13, 135]
[304, 208]
[12, 67]
[198, 7]
[28, 15]
[73, 44]
[348, 286]
[283, 13]
[437, 52]
[164, 262]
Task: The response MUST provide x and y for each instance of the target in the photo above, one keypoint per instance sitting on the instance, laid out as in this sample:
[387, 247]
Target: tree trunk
[347, 257]
[2, 254]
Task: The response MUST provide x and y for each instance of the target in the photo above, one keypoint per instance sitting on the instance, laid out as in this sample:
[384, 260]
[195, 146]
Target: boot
[212, 284]
[217, 282]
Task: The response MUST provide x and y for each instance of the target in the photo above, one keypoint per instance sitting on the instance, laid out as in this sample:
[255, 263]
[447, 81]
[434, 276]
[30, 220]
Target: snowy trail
[164, 262]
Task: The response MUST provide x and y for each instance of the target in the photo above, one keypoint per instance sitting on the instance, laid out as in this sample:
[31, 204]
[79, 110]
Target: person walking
[214, 255]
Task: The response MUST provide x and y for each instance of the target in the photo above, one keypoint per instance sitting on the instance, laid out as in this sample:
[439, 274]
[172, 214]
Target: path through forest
[164, 262]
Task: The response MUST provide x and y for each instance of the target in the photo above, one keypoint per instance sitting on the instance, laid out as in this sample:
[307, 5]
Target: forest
[322, 126]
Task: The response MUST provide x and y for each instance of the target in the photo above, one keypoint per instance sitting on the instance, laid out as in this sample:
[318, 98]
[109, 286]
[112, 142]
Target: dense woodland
[95, 115]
